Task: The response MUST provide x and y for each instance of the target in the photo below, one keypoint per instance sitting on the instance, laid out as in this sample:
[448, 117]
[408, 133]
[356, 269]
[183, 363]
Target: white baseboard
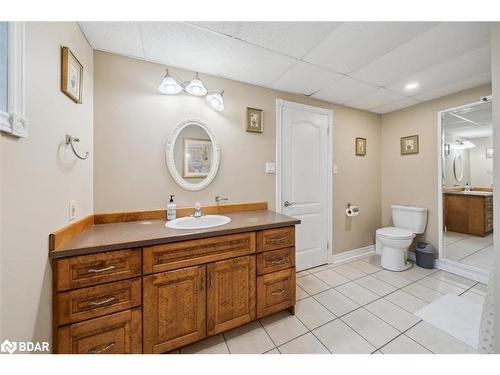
[463, 270]
[349, 256]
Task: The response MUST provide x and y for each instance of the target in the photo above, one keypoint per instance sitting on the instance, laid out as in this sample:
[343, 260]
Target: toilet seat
[395, 233]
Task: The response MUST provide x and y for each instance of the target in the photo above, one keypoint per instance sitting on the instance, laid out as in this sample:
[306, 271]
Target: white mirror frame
[171, 162]
[459, 174]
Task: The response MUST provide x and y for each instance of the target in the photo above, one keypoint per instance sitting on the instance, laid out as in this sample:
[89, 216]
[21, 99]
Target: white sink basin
[190, 222]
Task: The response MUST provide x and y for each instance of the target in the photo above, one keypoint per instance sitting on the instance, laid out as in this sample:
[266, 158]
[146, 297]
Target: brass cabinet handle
[105, 349]
[103, 302]
[97, 270]
[278, 261]
[279, 239]
[279, 293]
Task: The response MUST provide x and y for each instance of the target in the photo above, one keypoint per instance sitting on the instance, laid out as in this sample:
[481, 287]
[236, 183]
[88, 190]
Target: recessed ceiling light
[412, 86]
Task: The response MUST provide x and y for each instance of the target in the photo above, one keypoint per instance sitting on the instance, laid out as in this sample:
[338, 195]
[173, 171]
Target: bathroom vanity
[469, 212]
[139, 287]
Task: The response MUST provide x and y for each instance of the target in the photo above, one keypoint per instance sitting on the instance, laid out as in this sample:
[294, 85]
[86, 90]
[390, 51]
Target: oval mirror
[193, 155]
[458, 168]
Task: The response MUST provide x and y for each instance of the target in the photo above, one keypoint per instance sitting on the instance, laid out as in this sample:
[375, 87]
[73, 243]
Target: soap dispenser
[171, 208]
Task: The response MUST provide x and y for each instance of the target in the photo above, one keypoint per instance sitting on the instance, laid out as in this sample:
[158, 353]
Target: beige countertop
[471, 193]
[115, 236]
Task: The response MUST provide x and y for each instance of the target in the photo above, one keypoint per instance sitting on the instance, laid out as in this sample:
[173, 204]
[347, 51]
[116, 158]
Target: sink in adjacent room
[191, 222]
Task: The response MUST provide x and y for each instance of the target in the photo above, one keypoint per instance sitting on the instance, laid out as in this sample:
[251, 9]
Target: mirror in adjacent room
[467, 182]
[193, 155]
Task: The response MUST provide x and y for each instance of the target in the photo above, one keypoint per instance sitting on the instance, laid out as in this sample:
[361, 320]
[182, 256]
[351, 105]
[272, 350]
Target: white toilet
[392, 243]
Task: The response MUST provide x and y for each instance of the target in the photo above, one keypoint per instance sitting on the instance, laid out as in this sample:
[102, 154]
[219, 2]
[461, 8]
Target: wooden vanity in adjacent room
[124, 283]
[468, 212]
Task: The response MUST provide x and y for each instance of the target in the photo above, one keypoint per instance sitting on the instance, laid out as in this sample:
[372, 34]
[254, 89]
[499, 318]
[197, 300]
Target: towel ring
[69, 141]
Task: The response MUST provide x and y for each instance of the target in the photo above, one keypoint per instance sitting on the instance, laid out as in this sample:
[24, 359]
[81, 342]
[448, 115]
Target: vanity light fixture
[216, 100]
[171, 86]
[196, 87]
[462, 144]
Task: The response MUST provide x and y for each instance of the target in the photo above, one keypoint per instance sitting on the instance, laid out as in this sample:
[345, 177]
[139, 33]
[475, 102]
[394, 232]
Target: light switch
[335, 169]
[271, 167]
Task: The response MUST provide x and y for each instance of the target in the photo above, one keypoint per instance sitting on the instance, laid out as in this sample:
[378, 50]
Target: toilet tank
[411, 218]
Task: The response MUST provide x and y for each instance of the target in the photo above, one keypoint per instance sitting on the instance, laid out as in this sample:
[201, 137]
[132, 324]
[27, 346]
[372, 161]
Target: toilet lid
[396, 233]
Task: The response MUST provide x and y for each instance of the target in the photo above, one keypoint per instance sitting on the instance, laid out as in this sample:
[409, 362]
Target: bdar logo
[9, 347]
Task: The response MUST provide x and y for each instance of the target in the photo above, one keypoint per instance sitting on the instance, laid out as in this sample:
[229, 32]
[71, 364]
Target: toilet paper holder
[351, 210]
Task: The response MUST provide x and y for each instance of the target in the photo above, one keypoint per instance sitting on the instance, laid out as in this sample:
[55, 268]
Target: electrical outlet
[72, 210]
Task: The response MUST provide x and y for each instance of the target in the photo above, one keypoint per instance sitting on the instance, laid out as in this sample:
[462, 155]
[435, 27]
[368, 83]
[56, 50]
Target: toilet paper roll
[352, 211]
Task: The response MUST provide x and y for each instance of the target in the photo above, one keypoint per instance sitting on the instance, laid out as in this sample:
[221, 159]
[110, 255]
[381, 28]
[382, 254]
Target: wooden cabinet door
[174, 305]
[231, 293]
[118, 333]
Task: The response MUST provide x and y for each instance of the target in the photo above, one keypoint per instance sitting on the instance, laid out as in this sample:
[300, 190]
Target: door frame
[280, 104]
[452, 266]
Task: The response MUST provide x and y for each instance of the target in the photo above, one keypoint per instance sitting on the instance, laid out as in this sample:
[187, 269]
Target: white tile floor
[471, 250]
[353, 308]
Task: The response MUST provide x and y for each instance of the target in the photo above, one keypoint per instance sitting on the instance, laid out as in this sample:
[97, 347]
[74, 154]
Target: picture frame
[71, 75]
[489, 152]
[254, 120]
[360, 146]
[197, 158]
[409, 145]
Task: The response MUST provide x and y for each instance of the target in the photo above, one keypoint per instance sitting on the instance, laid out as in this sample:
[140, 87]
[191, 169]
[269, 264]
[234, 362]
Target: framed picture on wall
[71, 75]
[489, 152]
[409, 145]
[197, 157]
[255, 120]
[360, 146]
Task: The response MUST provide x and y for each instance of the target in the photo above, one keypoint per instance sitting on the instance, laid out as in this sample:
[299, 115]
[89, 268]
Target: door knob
[288, 204]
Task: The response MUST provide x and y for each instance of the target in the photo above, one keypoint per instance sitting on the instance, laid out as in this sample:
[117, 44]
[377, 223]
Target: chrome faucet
[197, 209]
[219, 199]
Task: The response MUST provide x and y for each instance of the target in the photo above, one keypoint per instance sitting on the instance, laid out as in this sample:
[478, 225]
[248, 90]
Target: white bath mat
[456, 316]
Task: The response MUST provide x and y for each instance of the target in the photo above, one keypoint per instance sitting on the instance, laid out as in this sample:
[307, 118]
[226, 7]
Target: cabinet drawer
[119, 333]
[272, 239]
[86, 270]
[275, 292]
[275, 260]
[171, 256]
[87, 303]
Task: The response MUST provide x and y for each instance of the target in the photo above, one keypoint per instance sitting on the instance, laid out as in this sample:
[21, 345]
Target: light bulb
[169, 85]
[216, 101]
[196, 87]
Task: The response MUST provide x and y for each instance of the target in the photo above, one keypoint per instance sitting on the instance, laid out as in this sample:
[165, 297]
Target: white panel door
[304, 187]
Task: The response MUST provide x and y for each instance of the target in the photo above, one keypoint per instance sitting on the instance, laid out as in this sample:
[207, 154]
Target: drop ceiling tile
[395, 106]
[184, 46]
[457, 86]
[227, 28]
[304, 78]
[255, 65]
[354, 44]
[188, 47]
[375, 99]
[344, 90]
[290, 38]
[119, 37]
[467, 65]
[439, 44]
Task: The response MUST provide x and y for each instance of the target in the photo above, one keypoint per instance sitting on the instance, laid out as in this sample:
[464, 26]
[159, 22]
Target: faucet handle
[197, 206]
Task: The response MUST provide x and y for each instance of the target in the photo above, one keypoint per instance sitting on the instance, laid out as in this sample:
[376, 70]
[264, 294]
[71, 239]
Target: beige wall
[38, 178]
[132, 122]
[481, 167]
[412, 179]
